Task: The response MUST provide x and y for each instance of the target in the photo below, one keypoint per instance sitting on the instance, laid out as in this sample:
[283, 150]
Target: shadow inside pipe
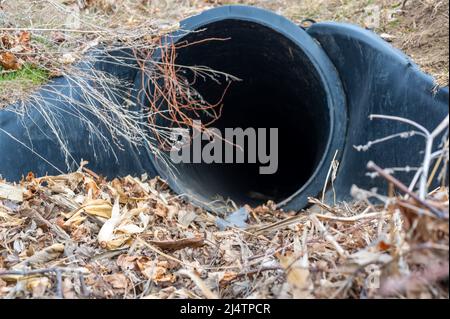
[279, 88]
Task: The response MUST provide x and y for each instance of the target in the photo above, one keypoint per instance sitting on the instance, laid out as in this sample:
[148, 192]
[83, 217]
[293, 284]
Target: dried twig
[199, 283]
[429, 141]
[403, 188]
[32, 272]
[341, 251]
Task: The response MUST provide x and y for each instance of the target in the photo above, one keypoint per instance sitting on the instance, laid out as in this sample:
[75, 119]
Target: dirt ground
[81, 236]
[420, 28]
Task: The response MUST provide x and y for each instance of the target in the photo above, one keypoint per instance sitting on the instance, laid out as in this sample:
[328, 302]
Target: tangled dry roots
[172, 97]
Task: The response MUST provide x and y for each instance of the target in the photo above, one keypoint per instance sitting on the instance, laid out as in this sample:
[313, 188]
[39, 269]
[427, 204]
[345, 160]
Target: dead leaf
[387, 37]
[164, 293]
[9, 61]
[80, 233]
[38, 286]
[92, 187]
[68, 291]
[161, 276]
[3, 287]
[173, 245]
[156, 271]
[67, 58]
[116, 185]
[227, 277]
[105, 234]
[382, 245]
[7, 220]
[98, 207]
[223, 277]
[130, 228]
[206, 291]
[6, 41]
[24, 38]
[126, 262]
[10, 192]
[161, 210]
[185, 218]
[366, 257]
[41, 257]
[297, 276]
[172, 211]
[117, 281]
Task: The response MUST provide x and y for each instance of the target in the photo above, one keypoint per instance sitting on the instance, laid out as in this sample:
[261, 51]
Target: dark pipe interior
[280, 88]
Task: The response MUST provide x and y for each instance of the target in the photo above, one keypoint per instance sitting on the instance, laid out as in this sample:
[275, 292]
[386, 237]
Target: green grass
[28, 73]
[394, 23]
[17, 84]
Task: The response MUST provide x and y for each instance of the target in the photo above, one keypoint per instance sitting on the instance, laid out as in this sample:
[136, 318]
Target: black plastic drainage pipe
[28, 142]
[287, 82]
[318, 86]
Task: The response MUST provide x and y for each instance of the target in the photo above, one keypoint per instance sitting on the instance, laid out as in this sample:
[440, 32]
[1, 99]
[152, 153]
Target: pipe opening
[280, 88]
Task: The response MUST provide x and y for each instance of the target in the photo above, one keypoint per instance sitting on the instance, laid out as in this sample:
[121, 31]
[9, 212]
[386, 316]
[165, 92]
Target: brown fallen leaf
[298, 276]
[68, 289]
[41, 257]
[91, 186]
[164, 293]
[42, 222]
[117, 281]
[6, 41]
[173, 245]
[227, 277]
[126, 262]
[116, 186]
[9, 61]
[24, 38]
[161, 210]
[30, 177]
[161, 276]
[158, 271]
[222, 277]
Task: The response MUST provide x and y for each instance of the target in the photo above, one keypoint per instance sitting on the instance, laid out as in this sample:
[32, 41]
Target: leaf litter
[118, 239]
